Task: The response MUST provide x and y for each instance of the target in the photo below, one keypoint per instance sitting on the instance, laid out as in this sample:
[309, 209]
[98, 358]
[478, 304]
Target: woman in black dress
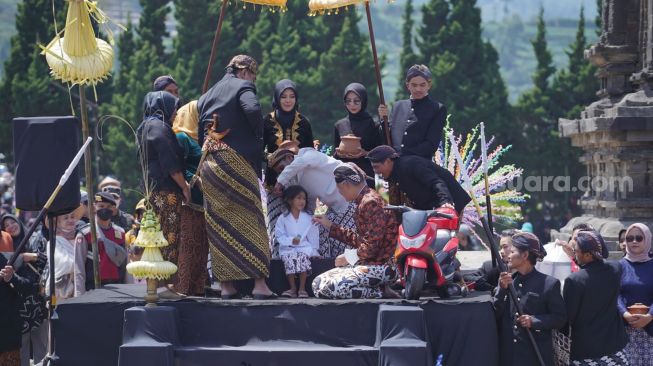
[284, 123]
[360, 124]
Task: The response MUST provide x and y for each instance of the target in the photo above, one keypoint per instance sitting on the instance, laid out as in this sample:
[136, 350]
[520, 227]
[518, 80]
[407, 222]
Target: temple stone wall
[616, 132]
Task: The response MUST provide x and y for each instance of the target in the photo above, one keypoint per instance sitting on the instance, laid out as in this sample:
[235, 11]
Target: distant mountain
[508, 24]
[497, 10]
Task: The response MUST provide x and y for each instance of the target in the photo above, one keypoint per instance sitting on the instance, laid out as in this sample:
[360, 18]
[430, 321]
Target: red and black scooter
[426, 252]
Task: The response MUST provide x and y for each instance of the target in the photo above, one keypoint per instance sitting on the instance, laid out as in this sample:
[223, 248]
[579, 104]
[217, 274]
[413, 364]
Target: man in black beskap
[425, 184]
[416, 123]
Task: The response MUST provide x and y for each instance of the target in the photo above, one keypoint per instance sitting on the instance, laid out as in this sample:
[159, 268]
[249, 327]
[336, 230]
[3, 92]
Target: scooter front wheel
[414, 283]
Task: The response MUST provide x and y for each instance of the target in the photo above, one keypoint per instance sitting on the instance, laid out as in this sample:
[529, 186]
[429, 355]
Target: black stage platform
[204, 331]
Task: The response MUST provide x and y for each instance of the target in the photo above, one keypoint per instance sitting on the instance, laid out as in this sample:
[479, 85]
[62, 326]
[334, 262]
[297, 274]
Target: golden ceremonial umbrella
[320, 7]
[274, 4]
[80, 58]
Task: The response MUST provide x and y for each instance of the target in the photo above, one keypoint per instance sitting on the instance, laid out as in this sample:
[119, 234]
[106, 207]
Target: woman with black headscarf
[360, 124]
[12, 225]
[159, 151]
[284, 123]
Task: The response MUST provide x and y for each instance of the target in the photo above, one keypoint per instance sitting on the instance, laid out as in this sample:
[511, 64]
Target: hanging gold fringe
[273, 5]
[328, 7]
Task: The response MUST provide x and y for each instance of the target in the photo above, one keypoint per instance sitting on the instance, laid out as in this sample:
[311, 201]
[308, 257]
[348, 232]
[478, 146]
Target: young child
[298, 240]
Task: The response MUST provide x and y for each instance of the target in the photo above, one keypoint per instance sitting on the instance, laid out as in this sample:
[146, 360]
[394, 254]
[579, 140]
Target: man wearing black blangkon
[425, 184]
[486, 278]
[540, 298]
[416, 124]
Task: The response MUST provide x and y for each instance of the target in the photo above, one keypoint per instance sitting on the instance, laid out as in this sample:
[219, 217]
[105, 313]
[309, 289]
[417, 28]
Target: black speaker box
[43, 149]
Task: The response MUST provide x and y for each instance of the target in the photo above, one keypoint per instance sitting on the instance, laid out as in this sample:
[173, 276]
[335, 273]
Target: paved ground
[473, 259]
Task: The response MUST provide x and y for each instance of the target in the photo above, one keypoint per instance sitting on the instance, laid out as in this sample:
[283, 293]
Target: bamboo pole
[214, 46]
[488, 200]
[386, 129]
[394, 194]
[88, 170]
[512, 293]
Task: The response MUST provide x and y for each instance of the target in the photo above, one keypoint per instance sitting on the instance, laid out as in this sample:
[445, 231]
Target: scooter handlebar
[431, 213]
[441, 214]
[397, 208]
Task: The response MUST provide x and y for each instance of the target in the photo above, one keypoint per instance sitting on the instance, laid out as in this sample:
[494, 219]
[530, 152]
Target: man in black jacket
[486, 278]
[416, 124]
[425, 184]
[235, 102]
[541, 301]
[597, 331]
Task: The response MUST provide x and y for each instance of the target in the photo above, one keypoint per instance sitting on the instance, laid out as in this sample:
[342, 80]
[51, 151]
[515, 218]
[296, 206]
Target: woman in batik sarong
[637, 287]
[365, 271]
[163, 155]
[281, 126]
[194, 247]
[238, 239]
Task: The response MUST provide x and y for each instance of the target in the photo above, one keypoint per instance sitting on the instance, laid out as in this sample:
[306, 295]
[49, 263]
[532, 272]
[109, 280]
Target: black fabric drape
[89, 328]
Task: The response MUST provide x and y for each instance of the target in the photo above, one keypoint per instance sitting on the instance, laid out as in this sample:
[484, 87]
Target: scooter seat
[413, 222]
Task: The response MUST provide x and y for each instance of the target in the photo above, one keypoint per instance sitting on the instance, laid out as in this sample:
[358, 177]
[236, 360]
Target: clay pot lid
[638, 308]
[350, 147]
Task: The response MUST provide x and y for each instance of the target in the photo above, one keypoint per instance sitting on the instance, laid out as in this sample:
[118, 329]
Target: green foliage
[599, 16]
[322, 55]
[35, 88]
[465, 69]
[408, 56]
[542, 151]
[575, 87]
[151, 27]
[27, 88]
[545, 67]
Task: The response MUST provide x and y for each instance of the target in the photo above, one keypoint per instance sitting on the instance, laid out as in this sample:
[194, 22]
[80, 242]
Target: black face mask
[104, 213]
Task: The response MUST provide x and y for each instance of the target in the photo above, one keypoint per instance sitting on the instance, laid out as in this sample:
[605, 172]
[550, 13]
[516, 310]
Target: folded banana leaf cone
[152, 265]
[79, 57]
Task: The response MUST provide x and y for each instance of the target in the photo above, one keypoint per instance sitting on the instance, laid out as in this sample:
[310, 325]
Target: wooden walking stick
[466, 183]
[488, 200]
[393, 188]
[377, 67]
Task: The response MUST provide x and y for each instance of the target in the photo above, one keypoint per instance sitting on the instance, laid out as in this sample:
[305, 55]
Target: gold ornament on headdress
[79, 57]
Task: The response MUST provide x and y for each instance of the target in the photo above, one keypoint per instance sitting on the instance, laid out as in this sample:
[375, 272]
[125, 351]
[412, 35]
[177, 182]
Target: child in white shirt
[298, 240]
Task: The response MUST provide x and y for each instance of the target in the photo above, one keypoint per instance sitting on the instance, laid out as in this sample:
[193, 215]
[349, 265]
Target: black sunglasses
[115, 190]
[632, 238]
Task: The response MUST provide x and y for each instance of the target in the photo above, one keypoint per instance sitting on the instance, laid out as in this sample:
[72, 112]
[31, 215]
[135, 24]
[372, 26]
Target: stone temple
[615, 133]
